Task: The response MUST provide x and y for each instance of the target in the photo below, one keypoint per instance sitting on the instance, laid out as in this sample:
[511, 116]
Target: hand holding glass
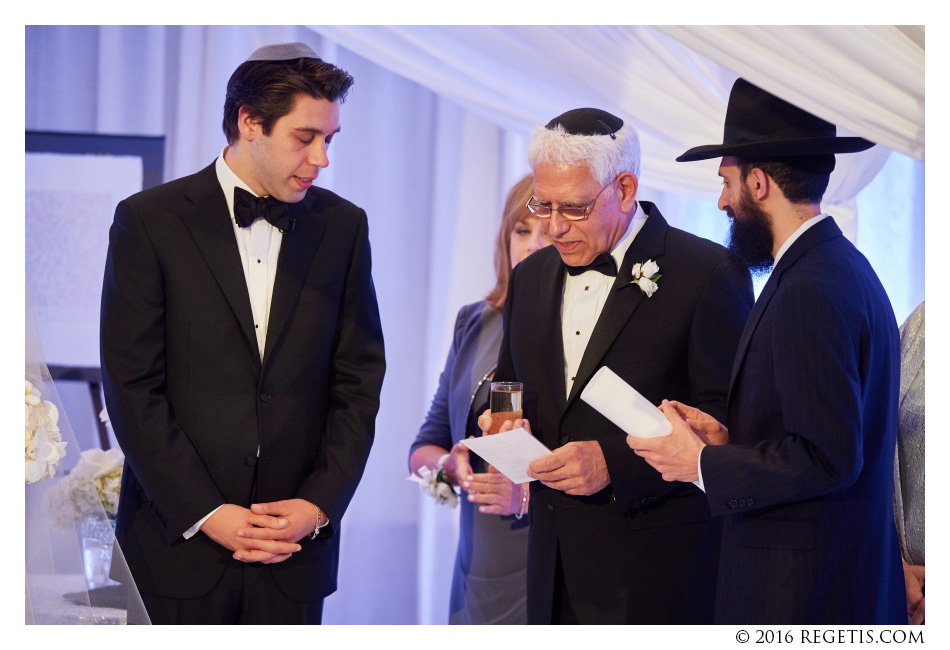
[505, 403]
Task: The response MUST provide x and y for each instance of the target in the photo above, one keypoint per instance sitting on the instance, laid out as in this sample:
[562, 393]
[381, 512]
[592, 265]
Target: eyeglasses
[570, 213]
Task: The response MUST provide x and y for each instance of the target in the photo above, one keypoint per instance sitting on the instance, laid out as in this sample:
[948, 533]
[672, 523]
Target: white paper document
[509, 452]
[620, 403]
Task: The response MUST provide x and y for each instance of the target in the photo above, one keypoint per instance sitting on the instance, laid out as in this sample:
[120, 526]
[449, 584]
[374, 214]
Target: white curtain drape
[867, 79]
[673, 83]
[434, 133]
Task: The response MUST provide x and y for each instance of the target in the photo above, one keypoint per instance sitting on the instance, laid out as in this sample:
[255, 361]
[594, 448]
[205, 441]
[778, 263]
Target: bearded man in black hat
[610, 541]
[242, 359]
[804, 484]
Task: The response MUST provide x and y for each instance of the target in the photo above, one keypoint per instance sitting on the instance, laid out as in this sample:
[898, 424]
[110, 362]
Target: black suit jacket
[641, 550]
[805, 482]
[191, 401]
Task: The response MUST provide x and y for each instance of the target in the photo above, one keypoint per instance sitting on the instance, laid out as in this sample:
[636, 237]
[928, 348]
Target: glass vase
[97, 538]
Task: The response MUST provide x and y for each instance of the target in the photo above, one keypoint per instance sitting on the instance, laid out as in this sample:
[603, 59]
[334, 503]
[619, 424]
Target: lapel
[623, 299]
[209, 224]
[297, 250]
[549, 294]
[824, 230]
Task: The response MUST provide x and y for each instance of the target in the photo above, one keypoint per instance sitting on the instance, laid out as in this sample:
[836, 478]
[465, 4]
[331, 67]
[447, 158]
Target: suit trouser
[562, 612]
[245, 594]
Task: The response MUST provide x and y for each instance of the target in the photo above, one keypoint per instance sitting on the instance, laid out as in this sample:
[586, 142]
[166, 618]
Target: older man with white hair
[610, 540]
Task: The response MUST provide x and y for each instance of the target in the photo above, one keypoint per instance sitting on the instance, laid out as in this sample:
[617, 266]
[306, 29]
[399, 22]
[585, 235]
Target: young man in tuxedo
[242, 359]
[804, 485]
[610, 541]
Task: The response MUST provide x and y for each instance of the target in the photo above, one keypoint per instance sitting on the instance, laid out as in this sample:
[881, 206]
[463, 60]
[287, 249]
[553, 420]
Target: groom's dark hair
[269, 89]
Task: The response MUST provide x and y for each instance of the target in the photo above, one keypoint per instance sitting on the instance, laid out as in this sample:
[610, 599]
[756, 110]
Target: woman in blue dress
[489, 580]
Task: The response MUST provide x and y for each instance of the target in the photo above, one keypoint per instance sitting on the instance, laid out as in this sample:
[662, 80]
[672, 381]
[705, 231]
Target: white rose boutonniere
[645, 275]
[436, 485]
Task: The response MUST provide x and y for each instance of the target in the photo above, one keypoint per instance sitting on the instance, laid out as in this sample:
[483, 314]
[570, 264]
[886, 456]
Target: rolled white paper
[620, 403]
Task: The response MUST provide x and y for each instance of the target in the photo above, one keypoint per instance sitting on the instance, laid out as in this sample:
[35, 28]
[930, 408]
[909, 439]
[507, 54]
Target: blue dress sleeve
[437, 429]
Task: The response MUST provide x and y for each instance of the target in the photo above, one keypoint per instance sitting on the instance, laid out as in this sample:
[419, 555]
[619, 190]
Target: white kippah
[283, 52]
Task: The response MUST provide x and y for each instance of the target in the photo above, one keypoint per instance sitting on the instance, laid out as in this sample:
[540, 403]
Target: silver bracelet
[524, 501]
[441, 462]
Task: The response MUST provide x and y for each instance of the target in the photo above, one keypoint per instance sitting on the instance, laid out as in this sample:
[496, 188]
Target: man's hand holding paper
[576, 468]
[509, 451]
[676, 456]
[708, 428]
[623, 405]
[669, 441]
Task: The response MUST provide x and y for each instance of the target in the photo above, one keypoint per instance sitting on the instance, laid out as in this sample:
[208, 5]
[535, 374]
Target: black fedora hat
[759, 124]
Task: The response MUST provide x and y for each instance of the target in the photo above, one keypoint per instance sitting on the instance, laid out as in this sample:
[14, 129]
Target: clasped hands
[577, 468]
[266, 533]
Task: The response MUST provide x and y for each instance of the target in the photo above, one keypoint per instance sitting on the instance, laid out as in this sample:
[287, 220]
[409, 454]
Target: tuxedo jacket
[642, 550]
[202, 419]
[805, 483]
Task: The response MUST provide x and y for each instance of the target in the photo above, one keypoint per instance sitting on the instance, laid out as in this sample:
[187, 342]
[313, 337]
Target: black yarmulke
[587, 121]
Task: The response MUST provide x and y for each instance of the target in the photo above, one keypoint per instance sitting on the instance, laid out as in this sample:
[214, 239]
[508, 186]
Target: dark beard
[750, 235]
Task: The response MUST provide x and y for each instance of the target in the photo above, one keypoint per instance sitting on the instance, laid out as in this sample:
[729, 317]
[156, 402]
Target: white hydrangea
[92, 485]
[44, 446]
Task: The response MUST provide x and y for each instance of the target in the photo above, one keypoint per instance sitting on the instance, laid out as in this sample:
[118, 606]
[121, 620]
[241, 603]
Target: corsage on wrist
[436, 485]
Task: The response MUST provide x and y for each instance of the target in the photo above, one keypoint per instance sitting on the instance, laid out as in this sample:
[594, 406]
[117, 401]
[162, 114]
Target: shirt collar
[228, 181]
[795, 235]
[636, 223]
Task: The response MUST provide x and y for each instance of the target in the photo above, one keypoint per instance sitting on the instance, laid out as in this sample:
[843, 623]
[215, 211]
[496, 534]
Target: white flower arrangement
[645, 275]
[44, 444]
[437, 486]
[92, 484]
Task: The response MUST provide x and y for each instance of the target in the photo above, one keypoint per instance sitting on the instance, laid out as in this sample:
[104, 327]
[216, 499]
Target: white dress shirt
[583, 301]
[805, 225]
[259, 246]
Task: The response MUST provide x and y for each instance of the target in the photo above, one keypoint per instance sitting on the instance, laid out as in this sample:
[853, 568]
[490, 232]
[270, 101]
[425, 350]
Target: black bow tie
[248, 208]
[603, 263]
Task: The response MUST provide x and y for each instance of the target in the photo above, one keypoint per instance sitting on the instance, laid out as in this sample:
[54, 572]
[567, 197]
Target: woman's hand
[495, 494]
[484, 423]
[914, 585]
[457, 465]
